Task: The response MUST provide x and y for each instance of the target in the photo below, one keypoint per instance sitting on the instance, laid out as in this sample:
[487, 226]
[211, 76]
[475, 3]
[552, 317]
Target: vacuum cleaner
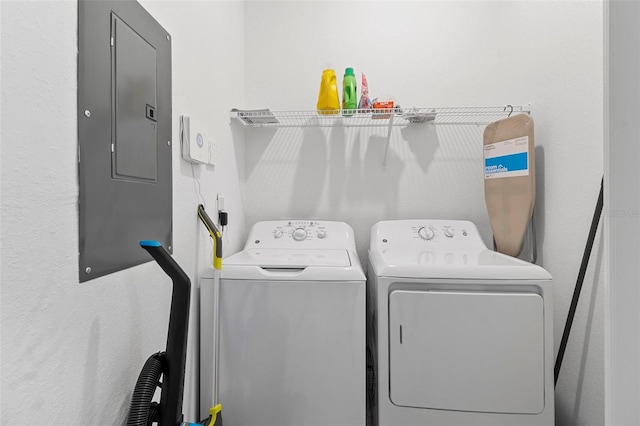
[168, 366]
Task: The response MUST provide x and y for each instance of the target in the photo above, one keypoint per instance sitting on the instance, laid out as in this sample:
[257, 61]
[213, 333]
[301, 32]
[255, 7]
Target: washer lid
[289, 258]
[455, 264]
[293, 265]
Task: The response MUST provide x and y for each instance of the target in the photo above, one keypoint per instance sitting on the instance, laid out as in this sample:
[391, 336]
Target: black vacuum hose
[142, 412]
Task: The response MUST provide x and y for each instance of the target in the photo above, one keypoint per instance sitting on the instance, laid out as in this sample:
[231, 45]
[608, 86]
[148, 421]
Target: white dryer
[464, 334]
[292, 328]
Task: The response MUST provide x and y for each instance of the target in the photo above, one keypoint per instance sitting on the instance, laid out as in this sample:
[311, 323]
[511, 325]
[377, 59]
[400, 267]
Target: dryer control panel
[301, 234]
[437, 234]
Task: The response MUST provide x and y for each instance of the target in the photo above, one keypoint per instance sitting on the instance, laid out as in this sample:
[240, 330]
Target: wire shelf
[377, 117]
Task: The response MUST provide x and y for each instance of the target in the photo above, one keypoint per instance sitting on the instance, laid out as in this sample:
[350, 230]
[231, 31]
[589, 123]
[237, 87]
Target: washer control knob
[449, 232]
[299, 234]
[277, 233]
[426, 233]
[322, 234]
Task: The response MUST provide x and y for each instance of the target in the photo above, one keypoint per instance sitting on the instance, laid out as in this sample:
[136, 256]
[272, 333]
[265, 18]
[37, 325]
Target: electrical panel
[124, 135]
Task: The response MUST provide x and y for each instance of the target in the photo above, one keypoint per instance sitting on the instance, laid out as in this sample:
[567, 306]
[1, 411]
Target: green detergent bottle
[349, 98]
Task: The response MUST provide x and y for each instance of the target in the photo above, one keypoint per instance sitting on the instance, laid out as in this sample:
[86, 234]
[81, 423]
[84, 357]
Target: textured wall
[429, 54]
[71, 352]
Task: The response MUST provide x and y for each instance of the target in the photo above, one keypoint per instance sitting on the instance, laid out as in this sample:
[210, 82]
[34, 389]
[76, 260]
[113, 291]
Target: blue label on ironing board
[507, 159]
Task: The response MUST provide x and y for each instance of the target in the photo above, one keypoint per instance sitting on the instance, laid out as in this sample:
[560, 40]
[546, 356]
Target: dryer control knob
[322, 234]
[299, 234]
[449, 232]
[277, 233]
[426, 233]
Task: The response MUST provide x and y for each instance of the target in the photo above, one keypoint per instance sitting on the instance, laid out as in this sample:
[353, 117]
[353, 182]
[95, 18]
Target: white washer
[292, 343]
[464, 334]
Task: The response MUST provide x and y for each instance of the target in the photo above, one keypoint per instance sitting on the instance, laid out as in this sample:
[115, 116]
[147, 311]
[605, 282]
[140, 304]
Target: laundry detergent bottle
[349, 98]
[328, 97]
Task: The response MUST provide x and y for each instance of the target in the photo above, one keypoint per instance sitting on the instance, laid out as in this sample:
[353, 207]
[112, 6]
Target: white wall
[430, 54]
[71, 352]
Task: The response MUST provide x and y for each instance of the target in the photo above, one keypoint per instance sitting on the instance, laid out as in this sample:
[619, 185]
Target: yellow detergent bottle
[328, 97]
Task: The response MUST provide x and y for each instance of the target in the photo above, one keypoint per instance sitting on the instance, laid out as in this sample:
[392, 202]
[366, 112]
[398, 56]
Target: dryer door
[467, 351]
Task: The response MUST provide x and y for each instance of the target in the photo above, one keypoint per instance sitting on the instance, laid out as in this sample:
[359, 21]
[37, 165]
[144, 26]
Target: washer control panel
[434, 233]
[301, 234]
[300, 230]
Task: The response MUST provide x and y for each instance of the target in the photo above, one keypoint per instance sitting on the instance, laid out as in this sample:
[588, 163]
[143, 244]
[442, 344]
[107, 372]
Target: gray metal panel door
[124, 135]
[135, 145]
[467, 351]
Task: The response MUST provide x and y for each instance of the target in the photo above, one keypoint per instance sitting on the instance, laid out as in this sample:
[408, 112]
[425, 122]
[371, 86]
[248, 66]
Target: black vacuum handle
[176, 353]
